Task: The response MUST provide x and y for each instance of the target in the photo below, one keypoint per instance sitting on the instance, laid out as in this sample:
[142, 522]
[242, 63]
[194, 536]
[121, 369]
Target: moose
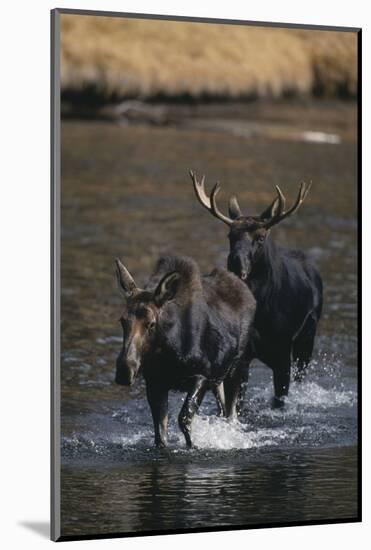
[187, 332]
[286, 286]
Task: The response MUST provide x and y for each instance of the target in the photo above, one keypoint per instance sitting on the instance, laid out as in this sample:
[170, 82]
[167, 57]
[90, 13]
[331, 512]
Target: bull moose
[186, 332]
[286, 286]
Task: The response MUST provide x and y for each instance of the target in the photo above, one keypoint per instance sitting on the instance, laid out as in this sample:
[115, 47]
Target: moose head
[247, 234]
[139, 320]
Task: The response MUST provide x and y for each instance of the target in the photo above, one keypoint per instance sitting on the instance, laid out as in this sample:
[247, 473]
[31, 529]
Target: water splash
[220, 434]
[304, 399]
[313, 416]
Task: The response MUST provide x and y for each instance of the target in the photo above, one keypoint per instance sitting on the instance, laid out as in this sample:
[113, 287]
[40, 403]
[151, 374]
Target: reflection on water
[126, 192]
[188, 491]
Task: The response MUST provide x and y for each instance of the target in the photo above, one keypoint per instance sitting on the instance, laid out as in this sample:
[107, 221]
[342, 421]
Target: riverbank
[114, 59]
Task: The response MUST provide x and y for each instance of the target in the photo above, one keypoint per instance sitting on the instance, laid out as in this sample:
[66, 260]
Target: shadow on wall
[41, 528]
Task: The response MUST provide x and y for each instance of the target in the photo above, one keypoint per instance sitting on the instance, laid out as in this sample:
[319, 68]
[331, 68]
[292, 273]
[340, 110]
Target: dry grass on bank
[127, 57]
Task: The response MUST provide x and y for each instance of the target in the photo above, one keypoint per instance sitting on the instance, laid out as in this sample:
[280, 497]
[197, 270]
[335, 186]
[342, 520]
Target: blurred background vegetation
[106, 59]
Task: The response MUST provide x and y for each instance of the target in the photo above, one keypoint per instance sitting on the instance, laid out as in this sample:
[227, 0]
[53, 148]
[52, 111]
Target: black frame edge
[304, 523]
[359, 263]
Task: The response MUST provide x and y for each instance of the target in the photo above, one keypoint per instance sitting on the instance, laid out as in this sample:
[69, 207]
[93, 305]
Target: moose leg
[158, 401]
[281, 381]
[219, 394]
[234, 391]
[302, 348]
[191, 406]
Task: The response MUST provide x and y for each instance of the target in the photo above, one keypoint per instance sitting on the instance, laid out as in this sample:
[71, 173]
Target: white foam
[315, 395]
[218, 433]
[312, 414]
[320, 137]
[305, 401]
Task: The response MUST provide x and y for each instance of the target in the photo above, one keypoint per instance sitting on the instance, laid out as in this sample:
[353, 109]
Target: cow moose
[286, 286]
[186, 332]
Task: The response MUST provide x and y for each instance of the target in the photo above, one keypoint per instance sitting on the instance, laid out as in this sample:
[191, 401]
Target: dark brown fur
[200, 337]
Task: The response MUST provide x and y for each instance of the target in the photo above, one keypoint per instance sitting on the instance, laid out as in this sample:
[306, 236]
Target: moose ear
[125, 281]
[167, 288]
[271, 211]
[234, 209]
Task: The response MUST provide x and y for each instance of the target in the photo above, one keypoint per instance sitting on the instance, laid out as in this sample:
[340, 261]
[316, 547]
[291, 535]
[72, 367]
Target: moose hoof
[278, 402]
[189, 444]
[160, 445]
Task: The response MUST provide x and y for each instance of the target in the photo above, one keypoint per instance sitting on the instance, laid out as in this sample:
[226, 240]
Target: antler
[208, 202]
[281, 214]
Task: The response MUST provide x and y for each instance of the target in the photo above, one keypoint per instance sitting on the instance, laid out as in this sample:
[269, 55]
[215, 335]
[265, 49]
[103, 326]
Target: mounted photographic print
[205, 199]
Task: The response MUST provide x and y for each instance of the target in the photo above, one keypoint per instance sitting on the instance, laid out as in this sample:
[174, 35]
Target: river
[126, 192]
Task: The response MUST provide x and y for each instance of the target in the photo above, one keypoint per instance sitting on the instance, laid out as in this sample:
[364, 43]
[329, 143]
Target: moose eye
[151, 326]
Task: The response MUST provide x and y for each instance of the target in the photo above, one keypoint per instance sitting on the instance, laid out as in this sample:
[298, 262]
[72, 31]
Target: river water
[126, 192]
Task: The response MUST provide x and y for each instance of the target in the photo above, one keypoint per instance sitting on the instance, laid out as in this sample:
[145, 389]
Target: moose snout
[240, 266]
[124, 379]
[126, 371]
